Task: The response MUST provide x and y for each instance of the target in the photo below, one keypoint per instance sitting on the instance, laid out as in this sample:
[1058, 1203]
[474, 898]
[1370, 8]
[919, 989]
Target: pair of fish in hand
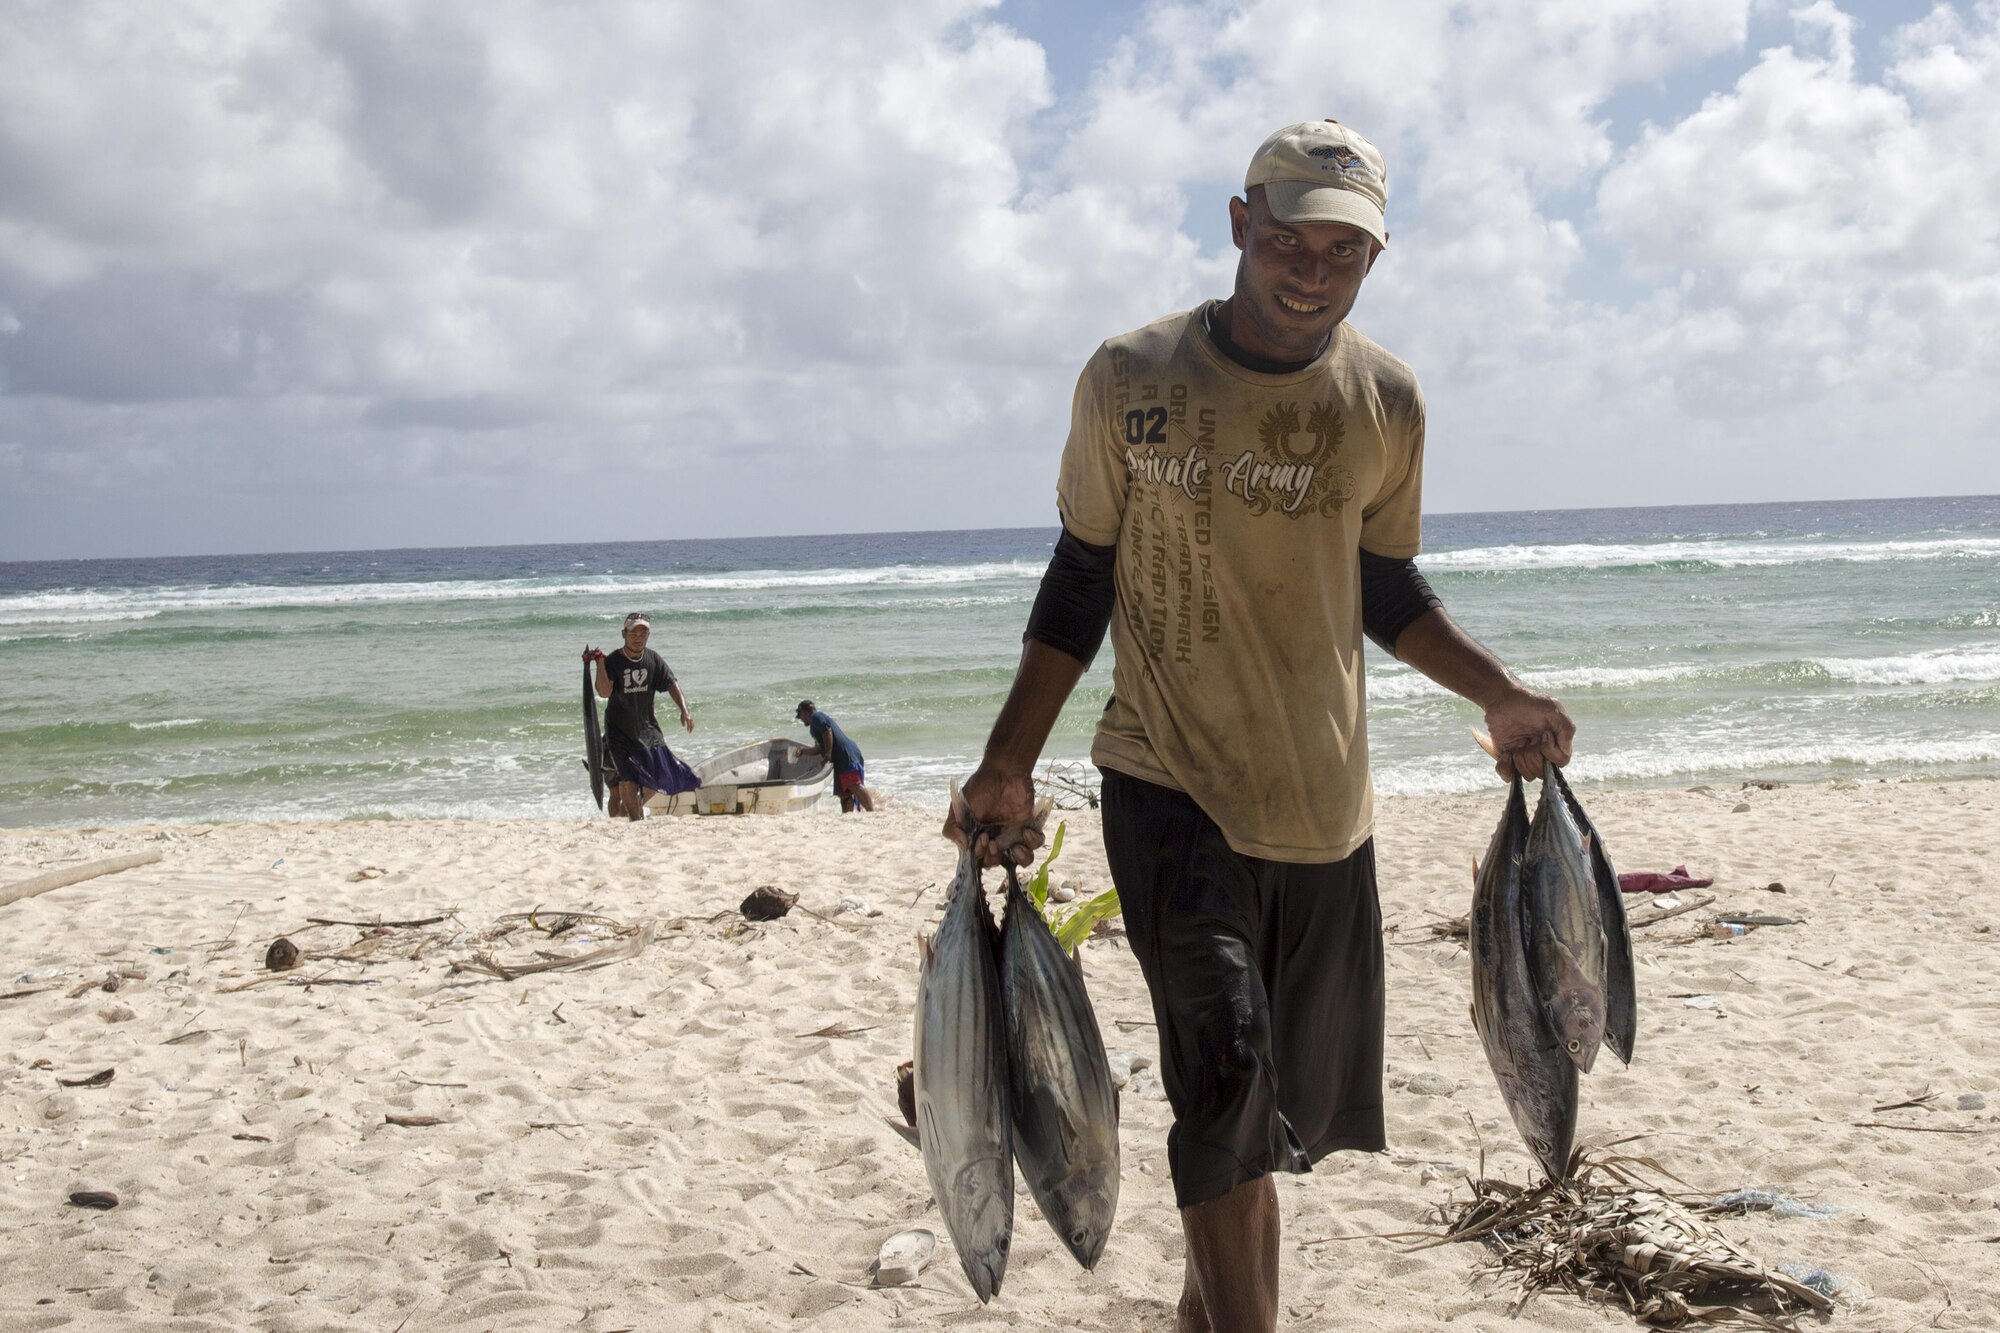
[1551, 963]
[1010, 1066]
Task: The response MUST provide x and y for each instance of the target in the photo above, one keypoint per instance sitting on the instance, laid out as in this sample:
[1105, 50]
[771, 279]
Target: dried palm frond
[1455, 929]
[631, 941]
[1613, 1232]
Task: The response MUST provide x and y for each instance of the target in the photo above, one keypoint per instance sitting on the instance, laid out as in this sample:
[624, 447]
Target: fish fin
[961, 812]
[1486, 743]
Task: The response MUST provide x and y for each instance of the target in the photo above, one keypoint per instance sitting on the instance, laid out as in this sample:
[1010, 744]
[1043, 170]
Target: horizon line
[920, 532]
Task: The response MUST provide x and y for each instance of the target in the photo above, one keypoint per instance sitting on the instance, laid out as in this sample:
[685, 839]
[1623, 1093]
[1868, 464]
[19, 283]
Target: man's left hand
[1528, 730]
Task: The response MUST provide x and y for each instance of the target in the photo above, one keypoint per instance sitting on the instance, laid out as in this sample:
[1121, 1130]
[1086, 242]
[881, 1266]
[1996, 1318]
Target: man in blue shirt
[845, 756]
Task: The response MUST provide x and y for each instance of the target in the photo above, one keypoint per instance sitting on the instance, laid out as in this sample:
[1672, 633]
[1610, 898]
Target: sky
[340, 274]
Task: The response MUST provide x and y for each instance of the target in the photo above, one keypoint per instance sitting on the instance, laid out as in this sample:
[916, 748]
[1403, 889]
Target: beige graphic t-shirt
[1237, 502]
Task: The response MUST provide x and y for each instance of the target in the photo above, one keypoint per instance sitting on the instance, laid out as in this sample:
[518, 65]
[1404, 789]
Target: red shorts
[848, 781]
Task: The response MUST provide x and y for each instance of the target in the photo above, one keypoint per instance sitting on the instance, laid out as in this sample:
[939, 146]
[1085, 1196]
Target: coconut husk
[1614, 1233]
[282, 956]
[767, 903]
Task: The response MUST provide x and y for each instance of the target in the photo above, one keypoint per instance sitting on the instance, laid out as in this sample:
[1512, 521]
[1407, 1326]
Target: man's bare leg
[1232, 1262]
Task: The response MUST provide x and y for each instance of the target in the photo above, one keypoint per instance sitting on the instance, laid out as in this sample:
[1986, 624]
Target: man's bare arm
[1528, 728]
[1001, 791]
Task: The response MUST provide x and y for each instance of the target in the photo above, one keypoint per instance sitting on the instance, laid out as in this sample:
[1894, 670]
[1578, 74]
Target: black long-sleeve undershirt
[1394, 593]
[1074, 604]
[1078, 593]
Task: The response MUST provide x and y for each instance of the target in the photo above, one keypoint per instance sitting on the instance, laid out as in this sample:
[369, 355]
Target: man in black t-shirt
[632, 738]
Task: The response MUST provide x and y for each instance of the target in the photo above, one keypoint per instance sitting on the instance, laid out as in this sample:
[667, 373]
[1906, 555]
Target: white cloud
[449, 263]
[1843, 230]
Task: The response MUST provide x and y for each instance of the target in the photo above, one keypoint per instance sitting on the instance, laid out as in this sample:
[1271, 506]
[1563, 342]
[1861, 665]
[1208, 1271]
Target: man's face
[804, 717]
[635, 640]
[1296, 280]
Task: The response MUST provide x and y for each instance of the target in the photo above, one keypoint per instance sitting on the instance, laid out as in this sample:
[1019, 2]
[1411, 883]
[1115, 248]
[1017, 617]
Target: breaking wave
[88, 605]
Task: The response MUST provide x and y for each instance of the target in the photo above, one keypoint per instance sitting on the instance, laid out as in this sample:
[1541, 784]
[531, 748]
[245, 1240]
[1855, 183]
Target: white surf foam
[83, 605]
[1405, 684]
[1723, 553]
[1943, 666]
[1889, 757]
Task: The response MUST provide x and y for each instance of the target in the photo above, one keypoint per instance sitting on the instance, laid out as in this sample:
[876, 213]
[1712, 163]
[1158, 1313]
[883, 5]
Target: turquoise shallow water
[1805, 641]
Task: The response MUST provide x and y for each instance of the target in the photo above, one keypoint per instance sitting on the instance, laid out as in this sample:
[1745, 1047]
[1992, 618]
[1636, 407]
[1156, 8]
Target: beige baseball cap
[1321, 171]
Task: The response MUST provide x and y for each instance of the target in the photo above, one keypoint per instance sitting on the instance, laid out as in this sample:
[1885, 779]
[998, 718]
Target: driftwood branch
[68, 875]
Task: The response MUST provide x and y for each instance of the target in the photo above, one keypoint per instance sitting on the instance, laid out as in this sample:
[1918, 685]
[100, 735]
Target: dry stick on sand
[324, 979]
[1658, 917]
[370, 925]
[68, 875]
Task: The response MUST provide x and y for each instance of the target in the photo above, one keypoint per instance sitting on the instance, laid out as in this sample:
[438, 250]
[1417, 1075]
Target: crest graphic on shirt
[1298, 474]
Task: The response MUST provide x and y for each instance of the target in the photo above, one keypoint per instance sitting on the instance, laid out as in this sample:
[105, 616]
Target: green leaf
[1038, 887]
[1075, 928]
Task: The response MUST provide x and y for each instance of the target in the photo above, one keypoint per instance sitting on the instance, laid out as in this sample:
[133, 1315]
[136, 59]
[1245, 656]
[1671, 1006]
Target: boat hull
[771, 777]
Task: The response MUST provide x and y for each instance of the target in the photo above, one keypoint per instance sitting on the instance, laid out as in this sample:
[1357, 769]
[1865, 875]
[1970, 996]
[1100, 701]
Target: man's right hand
[592, 654]
[1003, 805]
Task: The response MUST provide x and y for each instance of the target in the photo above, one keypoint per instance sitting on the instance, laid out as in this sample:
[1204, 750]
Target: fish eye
[1079, 1238]
[1574, 1045]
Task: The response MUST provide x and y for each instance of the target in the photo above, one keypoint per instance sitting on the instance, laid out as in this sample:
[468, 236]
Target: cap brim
[1309, 201]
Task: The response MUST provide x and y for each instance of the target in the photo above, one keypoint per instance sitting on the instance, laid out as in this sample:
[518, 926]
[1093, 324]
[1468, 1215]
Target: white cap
[1321, 171]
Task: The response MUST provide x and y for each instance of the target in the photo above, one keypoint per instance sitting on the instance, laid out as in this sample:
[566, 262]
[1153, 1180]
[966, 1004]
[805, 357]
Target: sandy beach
[696, 1137]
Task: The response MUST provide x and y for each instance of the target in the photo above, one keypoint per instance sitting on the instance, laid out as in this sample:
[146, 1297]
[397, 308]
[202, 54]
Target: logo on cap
[1343, 157]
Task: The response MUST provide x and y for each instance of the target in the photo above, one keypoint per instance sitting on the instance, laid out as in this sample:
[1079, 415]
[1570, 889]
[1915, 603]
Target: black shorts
[1266, 979]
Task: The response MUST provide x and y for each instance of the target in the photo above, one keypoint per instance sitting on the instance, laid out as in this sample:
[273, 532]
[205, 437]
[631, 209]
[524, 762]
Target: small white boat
[774, 777]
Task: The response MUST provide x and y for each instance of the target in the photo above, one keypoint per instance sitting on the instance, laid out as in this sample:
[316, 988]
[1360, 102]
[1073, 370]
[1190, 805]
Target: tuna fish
[1059, 1094]
[961, 1079]
[1565, 939]
[1537, 1079]
[1621, 1000]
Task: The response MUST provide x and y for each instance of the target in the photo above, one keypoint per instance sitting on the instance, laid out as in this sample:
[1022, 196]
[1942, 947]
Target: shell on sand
[904, 1255]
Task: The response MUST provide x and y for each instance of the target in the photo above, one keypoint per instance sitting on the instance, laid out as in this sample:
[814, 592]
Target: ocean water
[1713, 644]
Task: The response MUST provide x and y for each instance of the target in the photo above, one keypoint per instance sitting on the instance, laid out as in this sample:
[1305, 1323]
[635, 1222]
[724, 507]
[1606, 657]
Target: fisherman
[845, 756]
[1241, 485]
[638, 751]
